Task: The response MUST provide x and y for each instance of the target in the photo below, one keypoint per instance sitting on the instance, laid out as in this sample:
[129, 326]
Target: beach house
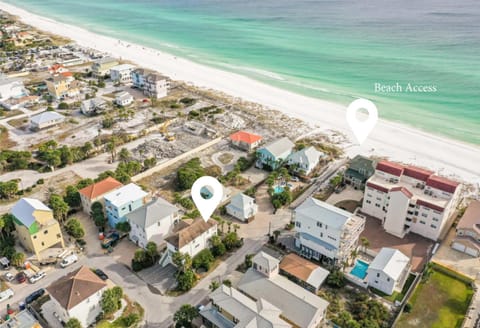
[122, 73]
[45, 120]
[274, 154]
[467, 239]
[123, 98]
[36, 228]
[298, 306]
[11, 88]
[124, 200]
[155, 86]
[138, 77]
[152, 222]
[95, 192]
[303, 272]
[410, 199]
[93, 106]
[190, 240]
[245, 140]
[326, 232]
[242, 207]
[388, 271]
[77, 295]
[101, 67]
[305, 161]
[359, 170]
[228, 308]
[63, 86]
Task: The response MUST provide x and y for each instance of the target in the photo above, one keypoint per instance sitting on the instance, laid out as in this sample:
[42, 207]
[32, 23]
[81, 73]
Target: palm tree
[229, 224]
[236, 227]
[221, 223]
[276, 234]
[365, 243]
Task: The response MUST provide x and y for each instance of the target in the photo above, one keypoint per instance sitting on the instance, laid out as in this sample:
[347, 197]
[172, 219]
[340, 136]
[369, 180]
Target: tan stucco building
[36, 227]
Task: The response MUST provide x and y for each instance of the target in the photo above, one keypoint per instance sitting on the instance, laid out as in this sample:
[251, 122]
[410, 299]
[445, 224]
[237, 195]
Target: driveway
[161, 278]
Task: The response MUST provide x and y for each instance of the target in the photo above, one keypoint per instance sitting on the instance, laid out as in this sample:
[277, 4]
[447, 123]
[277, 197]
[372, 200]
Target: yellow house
[36, 228]
[58, 86]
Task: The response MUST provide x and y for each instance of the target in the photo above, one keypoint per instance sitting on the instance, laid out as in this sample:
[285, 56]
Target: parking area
[349, 193]
[161, 278]
[414, 246]
[458, 261]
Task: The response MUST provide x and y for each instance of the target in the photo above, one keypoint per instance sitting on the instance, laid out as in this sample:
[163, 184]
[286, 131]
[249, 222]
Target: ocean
[417, 60]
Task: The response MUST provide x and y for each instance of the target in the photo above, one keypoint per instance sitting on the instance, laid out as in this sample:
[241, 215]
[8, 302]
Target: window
[376, 281]
[388, 279]
[45, 232]
[43, 244]
[158, 223]
[298, 224]
[435, 219]
[368, 201]
[424, 215]
[319, 224]
[422, 222]
[35, 237]
[377, 205]
[59, 236]
[433, 226]
[379, 199]
[321, 234]
[378, 274]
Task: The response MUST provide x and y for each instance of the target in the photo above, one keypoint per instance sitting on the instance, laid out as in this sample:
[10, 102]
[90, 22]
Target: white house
[152, 222]
[78, 295]
[11, 88]
[123, 99]
[122, 73]
[93, 106]
[388, 271]
[274, 153]
[410, 199]
[242, 207]
[192, 239]
[155, 86]
[468, 231]
[324, 231]
[299, 307]
[45, 120]
[305, 160]
[95, 192]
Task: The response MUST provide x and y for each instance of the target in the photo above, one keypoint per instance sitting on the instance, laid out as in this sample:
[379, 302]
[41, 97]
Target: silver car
[37, 276]
[8, 276]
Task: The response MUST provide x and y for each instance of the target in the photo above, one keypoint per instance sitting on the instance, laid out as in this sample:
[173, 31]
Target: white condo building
[326, 231]
[410, 199]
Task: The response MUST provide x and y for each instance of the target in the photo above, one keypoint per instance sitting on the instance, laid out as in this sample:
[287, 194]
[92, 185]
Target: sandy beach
[398, 142]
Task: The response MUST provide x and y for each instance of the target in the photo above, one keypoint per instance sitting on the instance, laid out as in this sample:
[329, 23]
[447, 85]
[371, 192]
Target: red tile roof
[430, 205]
[404, 190]
[443, 184]
[246, 137]
[390, 168]
[471, 217]
[417, 173]
[100, 188]
[377, 187]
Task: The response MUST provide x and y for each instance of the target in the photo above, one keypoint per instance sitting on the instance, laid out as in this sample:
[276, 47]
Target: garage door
[458, 247]
[471, 251]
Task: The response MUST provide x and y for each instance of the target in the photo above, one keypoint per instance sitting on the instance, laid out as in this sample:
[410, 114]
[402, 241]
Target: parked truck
[110, 240]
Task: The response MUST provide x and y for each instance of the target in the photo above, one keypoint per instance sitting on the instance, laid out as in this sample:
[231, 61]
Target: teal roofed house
[360, 169]
[274, 154]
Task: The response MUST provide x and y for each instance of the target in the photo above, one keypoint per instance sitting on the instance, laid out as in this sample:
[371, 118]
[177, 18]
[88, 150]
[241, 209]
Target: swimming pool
[277, 189]
[360, 269]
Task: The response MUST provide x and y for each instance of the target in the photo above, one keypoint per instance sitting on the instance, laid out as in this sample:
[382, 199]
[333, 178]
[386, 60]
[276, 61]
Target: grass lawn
[440, 302]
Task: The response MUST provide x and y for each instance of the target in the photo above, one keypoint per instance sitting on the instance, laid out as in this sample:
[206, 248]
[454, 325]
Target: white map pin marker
[207, 193]
[361, 129]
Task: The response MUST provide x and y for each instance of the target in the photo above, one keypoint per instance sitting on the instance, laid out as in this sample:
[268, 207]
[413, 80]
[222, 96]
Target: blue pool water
[277, 189]
[360, 269]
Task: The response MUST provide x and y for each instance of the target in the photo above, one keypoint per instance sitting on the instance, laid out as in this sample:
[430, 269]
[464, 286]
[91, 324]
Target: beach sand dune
[396, 141]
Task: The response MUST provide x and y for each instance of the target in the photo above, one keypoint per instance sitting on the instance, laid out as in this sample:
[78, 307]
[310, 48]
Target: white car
[69, 260]
[36, 277]
[8, 276]
[6, 294]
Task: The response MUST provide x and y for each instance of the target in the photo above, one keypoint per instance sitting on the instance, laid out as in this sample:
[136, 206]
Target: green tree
[74, 228]
[184, 316]
[72, 197]
[214, 285]
[84, 183]
[124, 155]
[248, 260]
[66, 155]
[73, 323]
[63, 105]
[123, 226]
[18, 259]
[186, 280]
[110, 301]
[188, 173]
[152, 250]
[231, 240]
[8, 189]
[336, 279]
[218, 247]
[203, 259]
[59, 207]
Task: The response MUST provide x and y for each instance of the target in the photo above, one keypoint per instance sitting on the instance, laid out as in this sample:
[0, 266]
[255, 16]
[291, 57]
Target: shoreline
[399, 142]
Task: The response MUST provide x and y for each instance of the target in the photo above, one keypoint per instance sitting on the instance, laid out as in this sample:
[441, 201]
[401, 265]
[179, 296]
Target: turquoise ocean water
[330, 49]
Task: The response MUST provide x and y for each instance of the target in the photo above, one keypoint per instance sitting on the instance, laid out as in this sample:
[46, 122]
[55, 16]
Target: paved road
[321, 181]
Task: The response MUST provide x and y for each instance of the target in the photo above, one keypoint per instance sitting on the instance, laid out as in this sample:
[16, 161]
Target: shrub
[40, 181]
[204, 260]
[408, 308]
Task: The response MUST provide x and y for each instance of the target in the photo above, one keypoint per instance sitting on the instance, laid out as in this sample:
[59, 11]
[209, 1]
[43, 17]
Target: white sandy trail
[399, 142]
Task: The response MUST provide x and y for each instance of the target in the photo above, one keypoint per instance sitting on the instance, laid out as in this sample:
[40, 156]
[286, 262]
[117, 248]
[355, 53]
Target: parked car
[8, 276]
[6, 294]
[101, 274]
[34, 296]
[69, 260]
[21, 277]
[296, 179]
[37, 276]
[110, 240]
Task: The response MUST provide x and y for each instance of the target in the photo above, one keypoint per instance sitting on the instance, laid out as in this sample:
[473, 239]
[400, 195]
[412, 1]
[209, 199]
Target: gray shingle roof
[156, 210]
[46, 117]
[280, 146]
[306, 155]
